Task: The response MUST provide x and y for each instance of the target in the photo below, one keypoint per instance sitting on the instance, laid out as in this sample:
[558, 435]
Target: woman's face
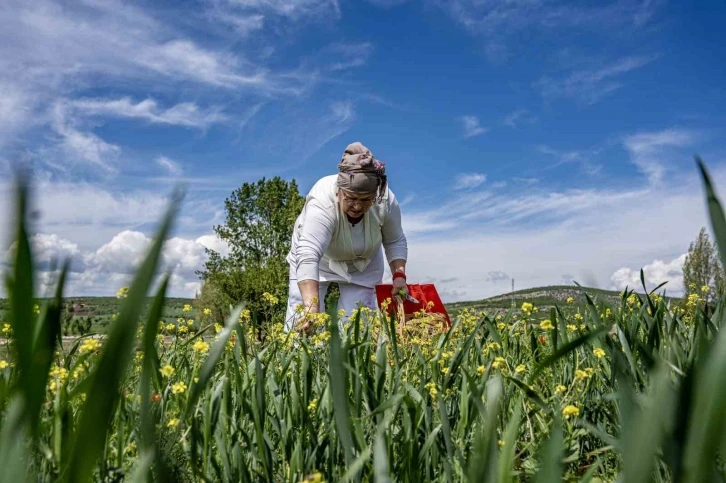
[355, 205]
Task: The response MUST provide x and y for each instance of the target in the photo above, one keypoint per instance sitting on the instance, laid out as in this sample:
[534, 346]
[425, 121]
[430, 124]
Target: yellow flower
[122, 293]
[598, 353]
[560, 388]
[270, 299]
[207, 311]
[190, 322]
[546, 324]
[3, 364]
[527, 308]
[570, 410]
[182, 329]
[520, 368]
[173, 422]
[187, 308]
[167, 370]
[6, 328]
[200, 346]
[480, 370]
[89, 345]
[217, 328]
[170, 327]
[498, 362]
[570, 300]
[580, 374]
[313, 405]
[501, 325]
[314, 478]
[444, 370]
[571, 328]
[578, 316]
[178, 388]
[705, 288]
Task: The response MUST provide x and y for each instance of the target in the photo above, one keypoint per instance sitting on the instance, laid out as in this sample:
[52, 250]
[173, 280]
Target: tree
[260, 218]
[702, 268]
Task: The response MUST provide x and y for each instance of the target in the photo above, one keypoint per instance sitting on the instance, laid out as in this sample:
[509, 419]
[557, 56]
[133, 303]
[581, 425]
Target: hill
[542, 297]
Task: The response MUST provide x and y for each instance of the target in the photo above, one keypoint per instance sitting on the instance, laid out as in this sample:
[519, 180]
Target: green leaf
[338, 385]
[715, 211]
[566, 349]
[551, 455]
[103, 396]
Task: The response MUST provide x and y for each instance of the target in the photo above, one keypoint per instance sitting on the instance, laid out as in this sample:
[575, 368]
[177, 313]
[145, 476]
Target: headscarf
[360, 172]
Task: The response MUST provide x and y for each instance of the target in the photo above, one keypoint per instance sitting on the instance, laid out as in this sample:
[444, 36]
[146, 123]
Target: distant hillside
[542, 297]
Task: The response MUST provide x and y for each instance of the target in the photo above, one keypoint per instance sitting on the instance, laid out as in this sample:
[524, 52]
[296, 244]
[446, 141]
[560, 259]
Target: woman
[346, 220]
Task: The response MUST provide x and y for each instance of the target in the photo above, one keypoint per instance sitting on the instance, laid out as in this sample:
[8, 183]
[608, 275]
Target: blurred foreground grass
[632, 391]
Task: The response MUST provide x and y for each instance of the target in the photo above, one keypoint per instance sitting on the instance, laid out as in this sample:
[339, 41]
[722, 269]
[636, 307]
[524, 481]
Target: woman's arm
[315, 235]
[395, 244]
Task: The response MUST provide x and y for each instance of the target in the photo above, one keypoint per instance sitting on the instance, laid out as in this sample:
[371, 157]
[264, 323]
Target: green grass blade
[98, 411]
[715, 211]
[564, 350]
[338, 386]
[380, 457]
[551, 455]
[207, 370]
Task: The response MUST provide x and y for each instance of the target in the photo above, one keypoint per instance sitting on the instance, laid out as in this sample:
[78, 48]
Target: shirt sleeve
[315, 235]
[394, 240]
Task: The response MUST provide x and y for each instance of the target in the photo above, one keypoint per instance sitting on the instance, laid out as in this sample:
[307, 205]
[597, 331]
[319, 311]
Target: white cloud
[654, 273]
[500, 19]
[584, 158]
[342, 56]
[517, 117]
[471, 126]
[123, 254]
[590, 86]
[85, 148]
[537, 235]
[469, 180]
[171, 166]
[497, 276]
[182, 114]
[650, 151]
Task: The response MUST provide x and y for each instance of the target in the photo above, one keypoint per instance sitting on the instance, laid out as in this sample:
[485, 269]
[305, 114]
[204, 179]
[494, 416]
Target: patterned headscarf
[360, 172]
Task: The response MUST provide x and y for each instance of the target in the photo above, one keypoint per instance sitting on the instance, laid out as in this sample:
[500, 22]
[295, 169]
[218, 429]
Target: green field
[601, 387]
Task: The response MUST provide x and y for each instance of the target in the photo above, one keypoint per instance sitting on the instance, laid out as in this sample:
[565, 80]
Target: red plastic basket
[424, 293]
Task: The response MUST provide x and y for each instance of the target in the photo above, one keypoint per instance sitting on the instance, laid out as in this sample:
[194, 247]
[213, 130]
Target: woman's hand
[398, 285]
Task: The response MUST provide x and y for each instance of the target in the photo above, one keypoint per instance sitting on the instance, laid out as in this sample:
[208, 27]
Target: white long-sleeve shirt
[315, 232]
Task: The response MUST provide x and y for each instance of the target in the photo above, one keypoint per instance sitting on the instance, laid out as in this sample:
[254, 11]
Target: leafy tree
[259, 223]
[702, 268]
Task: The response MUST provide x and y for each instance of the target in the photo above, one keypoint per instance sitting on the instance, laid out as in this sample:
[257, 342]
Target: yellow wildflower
[570, 410]
[480, 370]
[200, 346]
[546, 324]
[187, 308]
[560, 388]
[570, 300]
[520, 368]
[170, 327]
[167, 371]
[122, 293]
[313, 405]
[3, 364]
[89, 345]
[598, 353]
[705, 288]
[527, 308]
[314, 478]
[578, 316]
[571, 328]
[207, 312]
[270, 299]
[6, 328]
[178, 388]
[217, 328]
[498, 362]
[580, 374]
[173, 422]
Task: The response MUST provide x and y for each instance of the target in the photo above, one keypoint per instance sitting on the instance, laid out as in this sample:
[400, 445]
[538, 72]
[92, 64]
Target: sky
[536, 140]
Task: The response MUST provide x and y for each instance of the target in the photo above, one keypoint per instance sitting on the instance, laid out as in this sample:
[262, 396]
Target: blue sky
[537, 140]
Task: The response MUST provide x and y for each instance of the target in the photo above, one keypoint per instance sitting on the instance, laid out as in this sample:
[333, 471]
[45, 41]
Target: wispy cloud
[471, 126]
[650, 151]
[504, 18]
[517, 117]
[170, 166]
[183, 114]
[469, 180]
[590, 86]
[584, 158]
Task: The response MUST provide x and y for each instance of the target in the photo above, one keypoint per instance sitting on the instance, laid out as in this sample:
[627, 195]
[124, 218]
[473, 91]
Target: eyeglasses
[362, 201]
